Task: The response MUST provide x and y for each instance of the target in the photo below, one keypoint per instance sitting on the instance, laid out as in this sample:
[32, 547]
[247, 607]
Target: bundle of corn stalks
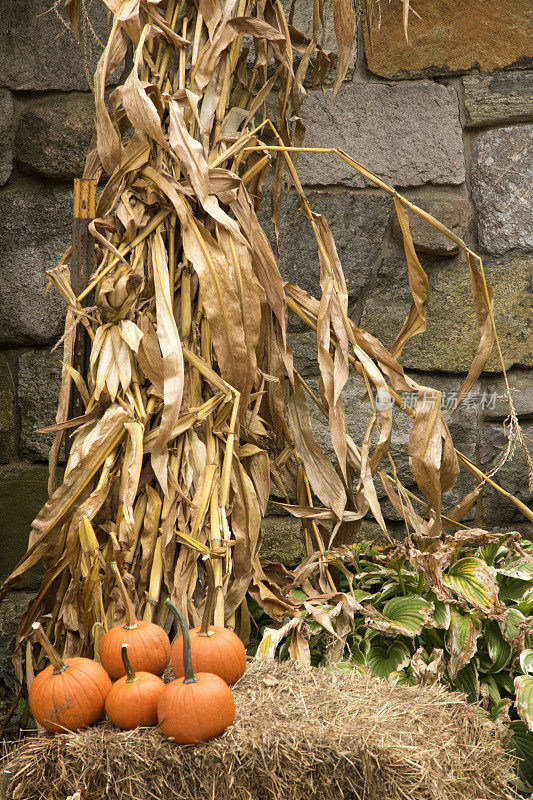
[192, 403]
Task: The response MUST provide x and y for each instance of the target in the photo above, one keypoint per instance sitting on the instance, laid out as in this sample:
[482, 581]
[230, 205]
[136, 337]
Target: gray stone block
[502, 173]
[53, 134]
[513, 477]
[305, 352]
[36, 229]
[38, 52]
[502, 97]
[521, 385]
[8, 420]
[358, 222]
[23, 491]
[282, 540]
[39, 381]
[452, 208]
[6, 135]
[451, 338]
[407, 134]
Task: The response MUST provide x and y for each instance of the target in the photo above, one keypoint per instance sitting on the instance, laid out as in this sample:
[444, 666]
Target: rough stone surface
[37, 52]
[450, 38]
[39, 380]
[512, 477]
[36, 229]
[304, 349]
[358, 221]
[462, 425]
[453, 209]
[502, 174]
[503, 97]
[12, 608]
[407, 134]
[23, 491]
[53, 134]
[6, 136]
[303, 21]
[450, 341]
[7, 410]
[282, 540]
[521, 390]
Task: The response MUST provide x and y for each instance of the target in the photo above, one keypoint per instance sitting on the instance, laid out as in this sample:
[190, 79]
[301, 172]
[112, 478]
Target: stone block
[451, 338]
[8, 422]
[520, 383]
[513, 477]
[38, 52]
[53, 134]
[305, 352]
[282, 540]
[502, 173]
[36, 229]
[358, 222]
[407, 134]
[23, 491]
[449, 38]
[39, 381]
[500, 98]
[452, 208]
[6, 135]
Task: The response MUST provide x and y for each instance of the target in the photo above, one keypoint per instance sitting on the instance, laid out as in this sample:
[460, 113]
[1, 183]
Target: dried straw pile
[298, 734]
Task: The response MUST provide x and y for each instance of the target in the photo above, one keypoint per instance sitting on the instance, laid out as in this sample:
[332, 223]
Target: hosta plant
[457, 611]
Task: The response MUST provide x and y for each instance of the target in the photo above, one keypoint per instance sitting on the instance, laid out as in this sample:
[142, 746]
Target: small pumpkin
[132, 701]
[195, 708]
[213, 648]
[68, 694]
[149, 645]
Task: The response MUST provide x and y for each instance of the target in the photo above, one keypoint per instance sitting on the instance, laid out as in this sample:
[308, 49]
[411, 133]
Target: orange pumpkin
[195, 708]
[132, 701]
[149, 645]
[68, 694]
[213, 648]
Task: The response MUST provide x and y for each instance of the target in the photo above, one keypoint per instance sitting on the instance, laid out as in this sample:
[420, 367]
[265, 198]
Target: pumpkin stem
[209, 600]
[129, 608]
[53, 656]
[187, 661]
[130, 672]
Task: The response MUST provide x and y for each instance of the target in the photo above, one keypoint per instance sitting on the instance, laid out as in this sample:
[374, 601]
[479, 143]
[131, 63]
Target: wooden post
[82, 264]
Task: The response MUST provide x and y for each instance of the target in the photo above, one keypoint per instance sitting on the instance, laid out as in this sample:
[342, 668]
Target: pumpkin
[195, 708]
[68, 694]
[132, 701]
[149, 645]
[213, 648]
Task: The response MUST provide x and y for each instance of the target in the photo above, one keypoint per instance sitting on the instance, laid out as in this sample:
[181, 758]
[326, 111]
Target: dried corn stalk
[187, 419]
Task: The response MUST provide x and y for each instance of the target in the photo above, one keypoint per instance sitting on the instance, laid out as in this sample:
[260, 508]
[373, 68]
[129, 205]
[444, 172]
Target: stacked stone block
[446, 119]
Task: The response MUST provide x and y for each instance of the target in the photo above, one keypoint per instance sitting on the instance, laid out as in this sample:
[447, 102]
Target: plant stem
[209, 600]
[187, 661]
[130, 673]
[54, 657]
[131, 619]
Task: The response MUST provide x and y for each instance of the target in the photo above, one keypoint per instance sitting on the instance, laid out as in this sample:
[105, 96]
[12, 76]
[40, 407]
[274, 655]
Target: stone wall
[447, 119]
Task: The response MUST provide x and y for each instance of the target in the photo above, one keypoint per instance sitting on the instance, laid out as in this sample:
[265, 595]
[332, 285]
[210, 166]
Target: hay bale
[299, 734]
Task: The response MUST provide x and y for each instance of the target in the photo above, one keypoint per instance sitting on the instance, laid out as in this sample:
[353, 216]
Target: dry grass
[298, 734]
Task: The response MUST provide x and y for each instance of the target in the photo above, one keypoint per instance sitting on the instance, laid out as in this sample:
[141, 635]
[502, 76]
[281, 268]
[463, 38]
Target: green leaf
[521, 745]
[383, 660]
[514, 591]
[526, 661]
[298, 594]
[401, 678]
[467, 681]
[474, 580]
[523, 685]
[521, 569]
[499, 650]
[461, 641]
[526, 602]
[407, 615]
[441, 612]
[511, 626]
